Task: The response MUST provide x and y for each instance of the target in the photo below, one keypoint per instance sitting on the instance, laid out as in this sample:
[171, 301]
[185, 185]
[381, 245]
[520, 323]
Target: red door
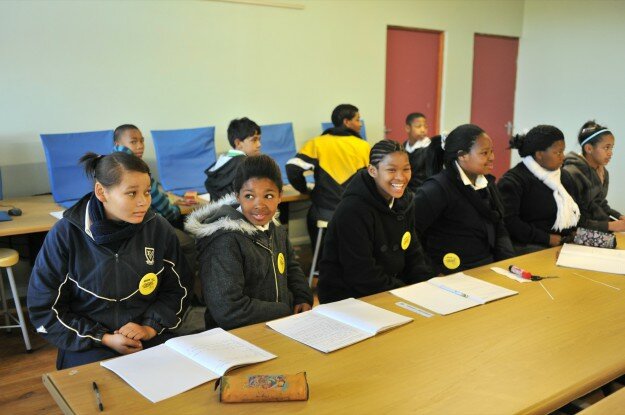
[494, 81]
[413, 78]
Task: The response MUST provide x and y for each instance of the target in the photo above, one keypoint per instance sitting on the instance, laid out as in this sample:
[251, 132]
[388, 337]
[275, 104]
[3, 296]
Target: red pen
[520, 272]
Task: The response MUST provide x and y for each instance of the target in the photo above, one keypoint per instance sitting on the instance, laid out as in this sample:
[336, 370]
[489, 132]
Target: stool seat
[8, 257]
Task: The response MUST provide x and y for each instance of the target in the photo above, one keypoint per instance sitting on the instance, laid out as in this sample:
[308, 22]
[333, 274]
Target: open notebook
[446, 295]
[329, 327]
[184, 362]
[592, 259]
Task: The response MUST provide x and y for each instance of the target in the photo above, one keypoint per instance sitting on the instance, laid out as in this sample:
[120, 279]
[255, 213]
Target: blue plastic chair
[1, 184]
[363, 130]
[68, 181]
[182, 156]
[278, 141]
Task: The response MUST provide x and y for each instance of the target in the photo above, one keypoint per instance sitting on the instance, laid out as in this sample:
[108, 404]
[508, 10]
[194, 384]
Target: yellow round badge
[405, 241]
[451, 261]
[148, 283]
[281, 263]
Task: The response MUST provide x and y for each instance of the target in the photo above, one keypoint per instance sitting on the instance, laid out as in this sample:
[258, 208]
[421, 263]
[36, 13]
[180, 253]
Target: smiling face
[259, 199]
[133, 139]
[127, 201]
[551, 158]
[600, 153]
[479, 160]
[391, 175]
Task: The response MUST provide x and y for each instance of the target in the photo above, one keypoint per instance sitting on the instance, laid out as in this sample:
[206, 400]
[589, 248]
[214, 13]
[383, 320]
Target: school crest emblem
[149, 256]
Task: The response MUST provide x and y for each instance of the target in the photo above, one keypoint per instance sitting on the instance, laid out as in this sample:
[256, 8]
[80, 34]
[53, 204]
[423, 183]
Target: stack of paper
[592, 259]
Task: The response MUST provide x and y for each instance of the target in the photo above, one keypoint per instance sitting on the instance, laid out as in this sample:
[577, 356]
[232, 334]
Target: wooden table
[611, 404]
[36, 212]
[524, 354]
[35, 215]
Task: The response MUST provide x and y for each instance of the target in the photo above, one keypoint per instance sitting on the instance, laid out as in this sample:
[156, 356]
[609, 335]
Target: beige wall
[571, 69]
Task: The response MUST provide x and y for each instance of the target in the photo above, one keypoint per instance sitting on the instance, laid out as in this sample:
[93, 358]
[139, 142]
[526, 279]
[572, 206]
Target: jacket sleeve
[296, 280]
[161, 203]
[418, 267]
[430, 202]
[585, 204]
[361, 272]
[512, 191]
[223, 284]
[606, 207]
[50, 299]
[303, 161]
[175, 289]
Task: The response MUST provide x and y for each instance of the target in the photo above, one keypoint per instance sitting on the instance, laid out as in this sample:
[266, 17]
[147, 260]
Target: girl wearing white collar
[459, 212]
[539, 208]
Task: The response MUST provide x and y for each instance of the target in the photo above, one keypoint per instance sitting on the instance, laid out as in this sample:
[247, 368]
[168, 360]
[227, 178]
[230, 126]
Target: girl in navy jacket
[110, 278]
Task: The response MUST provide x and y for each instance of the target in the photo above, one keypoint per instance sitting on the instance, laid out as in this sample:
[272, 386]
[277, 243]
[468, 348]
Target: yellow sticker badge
[281, 263]
[405, 241]
[148, 283]
[451, 261]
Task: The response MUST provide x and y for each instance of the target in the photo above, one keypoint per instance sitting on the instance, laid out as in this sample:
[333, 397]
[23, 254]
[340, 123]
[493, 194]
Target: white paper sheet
[592, 259]
[433, 298]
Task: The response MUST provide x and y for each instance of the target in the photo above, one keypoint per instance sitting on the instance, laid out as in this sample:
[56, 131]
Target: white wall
[572, 69]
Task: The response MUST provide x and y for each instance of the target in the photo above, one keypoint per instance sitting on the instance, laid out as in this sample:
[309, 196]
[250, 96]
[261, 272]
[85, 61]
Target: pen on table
[613, 218]
[98, 398]
[451, 290]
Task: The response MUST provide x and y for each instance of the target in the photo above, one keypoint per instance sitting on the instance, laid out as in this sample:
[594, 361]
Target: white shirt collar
[419, 144]
[88, 221]
[391, 203]
[480, 182]
[260, 228]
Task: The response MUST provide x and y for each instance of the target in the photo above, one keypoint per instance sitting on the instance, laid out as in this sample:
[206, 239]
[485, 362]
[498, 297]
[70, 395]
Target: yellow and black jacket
[334, 157]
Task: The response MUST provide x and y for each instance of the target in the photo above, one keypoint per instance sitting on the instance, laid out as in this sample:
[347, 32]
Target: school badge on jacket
[149, 256]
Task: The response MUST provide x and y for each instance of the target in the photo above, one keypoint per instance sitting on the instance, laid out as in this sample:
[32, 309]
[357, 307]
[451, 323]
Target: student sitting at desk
[592, 179]
[371, 245]
[459, 212]
[333, 157]
[536, 192]
[417, 147]
[247, 264]
[244, 137]
[110, 278]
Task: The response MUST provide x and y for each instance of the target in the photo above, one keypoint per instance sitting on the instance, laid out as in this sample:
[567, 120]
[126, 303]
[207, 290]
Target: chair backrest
[278, 141]
[182, 156]
[363, 130]
[68, 181]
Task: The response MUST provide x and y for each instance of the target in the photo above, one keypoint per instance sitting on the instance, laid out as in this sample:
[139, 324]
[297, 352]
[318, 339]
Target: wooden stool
[8, 258]
[321, 225]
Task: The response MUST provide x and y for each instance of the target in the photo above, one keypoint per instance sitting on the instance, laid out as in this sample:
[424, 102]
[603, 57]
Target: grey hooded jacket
[248, 275]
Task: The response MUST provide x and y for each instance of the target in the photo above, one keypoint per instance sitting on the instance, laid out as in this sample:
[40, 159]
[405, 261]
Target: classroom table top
[527, 353]
[36, 212]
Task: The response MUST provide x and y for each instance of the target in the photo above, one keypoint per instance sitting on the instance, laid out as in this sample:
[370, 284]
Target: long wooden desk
[36, 212]
[524, 354]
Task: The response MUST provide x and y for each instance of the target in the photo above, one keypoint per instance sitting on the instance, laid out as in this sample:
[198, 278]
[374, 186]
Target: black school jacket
[370, 247]
[453, 218]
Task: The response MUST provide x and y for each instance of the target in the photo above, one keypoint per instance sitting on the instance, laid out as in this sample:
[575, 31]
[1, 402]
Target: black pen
[98, 398]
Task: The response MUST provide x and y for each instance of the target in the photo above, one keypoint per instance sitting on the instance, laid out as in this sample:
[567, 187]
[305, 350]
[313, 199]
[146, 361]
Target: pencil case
[262, 388]
[598, 239]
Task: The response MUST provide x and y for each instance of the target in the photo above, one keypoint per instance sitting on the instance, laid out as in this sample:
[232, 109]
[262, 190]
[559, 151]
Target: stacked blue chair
[363, 130]
[68, 182]
[278, 141]
[182, 156]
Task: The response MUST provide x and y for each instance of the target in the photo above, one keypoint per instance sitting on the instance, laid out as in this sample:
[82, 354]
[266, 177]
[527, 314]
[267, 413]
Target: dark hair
[413, 116]
[589, 128]
[108, 170]
[539, 138]
[459, 140]
[343, 112]
[257, 167]
[383, 148]
[241, 128]
[122, 129]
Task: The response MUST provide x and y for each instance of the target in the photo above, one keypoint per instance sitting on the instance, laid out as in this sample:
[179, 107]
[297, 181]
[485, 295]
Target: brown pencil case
[263, 388]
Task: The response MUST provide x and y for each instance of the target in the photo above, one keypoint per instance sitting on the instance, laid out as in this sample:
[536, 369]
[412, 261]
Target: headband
[605, 130]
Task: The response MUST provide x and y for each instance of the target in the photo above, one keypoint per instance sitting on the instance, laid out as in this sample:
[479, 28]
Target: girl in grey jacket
[247, 264]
